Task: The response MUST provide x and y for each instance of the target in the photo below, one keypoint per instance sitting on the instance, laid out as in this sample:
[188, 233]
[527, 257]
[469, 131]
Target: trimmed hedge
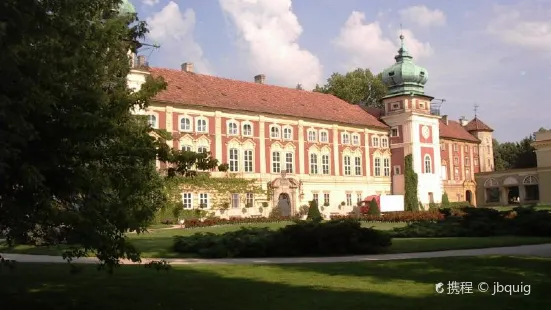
[194, 223]
[304, 238]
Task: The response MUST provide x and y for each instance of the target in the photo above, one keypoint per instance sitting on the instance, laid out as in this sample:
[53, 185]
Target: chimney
[445, 119]
[463, 121]
[141, 61]
[187, 67]
[260, 79]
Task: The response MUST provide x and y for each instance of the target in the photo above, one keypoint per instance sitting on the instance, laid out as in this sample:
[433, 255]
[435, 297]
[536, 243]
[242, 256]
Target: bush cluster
[480, 222]
[395, 217]
[304, 238]
[214, 221]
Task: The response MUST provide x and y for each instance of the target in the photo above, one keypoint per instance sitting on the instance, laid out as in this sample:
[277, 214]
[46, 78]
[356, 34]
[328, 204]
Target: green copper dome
[405, 77]
[126, 8]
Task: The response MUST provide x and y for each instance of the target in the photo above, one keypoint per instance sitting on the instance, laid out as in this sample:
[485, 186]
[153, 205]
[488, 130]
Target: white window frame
[386, 166]
[348, 199]
[186, 147]
[316, 197]
[397, 170]
[347, 165]
[235, 201]
[289, 165]
[153, 120]
[190, 123]
[345, 138]
[359, 197]
[313, 161]
[326, 199]
[204, 198]
[325, 167]
[200, 121]
[275, 132]
[200, 147]
[276, 164]
[233, 162]
[384, 142]
[187, 200]
[312, 135]
[357, 165]
[247, 133]
[248, 161]
[394, 132]
[375, 141]
[427, 161]
[323, 133]
[233, 130]
[355, 139]
[377, 166]
[249, 199]
[287, 133]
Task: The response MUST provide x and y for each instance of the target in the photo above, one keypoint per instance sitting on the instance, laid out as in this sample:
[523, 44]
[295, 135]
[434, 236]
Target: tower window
[422, 73]
[391, 73]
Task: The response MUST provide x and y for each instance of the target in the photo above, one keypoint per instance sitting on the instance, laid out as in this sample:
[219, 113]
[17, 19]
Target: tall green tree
[76, 166]
[411, 201]
[515, 155]
[356, 87]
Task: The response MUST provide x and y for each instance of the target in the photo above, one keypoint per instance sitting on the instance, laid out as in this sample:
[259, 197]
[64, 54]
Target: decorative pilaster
[262, 140]
[301, 146]
[336, 161]
[218, 134]
[168, 119]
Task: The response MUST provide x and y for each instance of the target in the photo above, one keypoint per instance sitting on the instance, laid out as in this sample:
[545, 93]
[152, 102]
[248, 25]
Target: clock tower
[414, 130]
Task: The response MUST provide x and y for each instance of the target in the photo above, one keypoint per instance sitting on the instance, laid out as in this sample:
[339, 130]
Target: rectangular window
[312, 136]
[232, 128]
[456, 160]
[356, 140]
[358, 197]
[358, 165]
[325, 199]
[276, 162]
[467, 161]
[456, 174]
[248, 160]
[235, 201]
[475, 160]
[315, 196]
[345, 138]
[203, 200]
[234, 160]
[186, 148]
[397, 170]
[466, 149]
[247, 130]
[202, 149]
[394, 132]
[386, 167]
[289, 162]
[187, 201]
[475, 149]
[348, 199]
[201, 125]
[287, 133]
[444, 172]
[455, 147]
[468, 174]
[377, 166]
[347, 165]
[313, 164]
[324, 137]
[249, 200]
[274, 132]
[375, 141]
[384, 142]
[325, 164]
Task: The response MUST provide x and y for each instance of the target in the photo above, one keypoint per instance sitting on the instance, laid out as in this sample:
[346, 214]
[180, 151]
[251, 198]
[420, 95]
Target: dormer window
[324, 136]
[247, 130]
[345, 138]
[391, 73]
[232, 128]
[185, 124]
[274, 132]
[312, 136]
[287, 133]
[422, 73]
[395, 106]
[421, 105]
[355, 139]
[201, 125]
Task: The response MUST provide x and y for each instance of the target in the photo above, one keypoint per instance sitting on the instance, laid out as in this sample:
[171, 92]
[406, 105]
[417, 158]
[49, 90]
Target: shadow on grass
[376, 285]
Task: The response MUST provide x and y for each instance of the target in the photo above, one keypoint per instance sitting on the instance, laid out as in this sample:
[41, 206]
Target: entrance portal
[469, 197]
[284, 204]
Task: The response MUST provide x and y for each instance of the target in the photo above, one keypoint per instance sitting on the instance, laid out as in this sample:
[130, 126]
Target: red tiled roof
[477, 125]
[454, 130]
[215, 92]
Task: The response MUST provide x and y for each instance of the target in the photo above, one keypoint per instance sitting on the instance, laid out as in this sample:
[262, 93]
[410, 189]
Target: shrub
[411, 201]
[313, 211]
[373, 208]
[445, 200]
[340, 237]
[303, 210]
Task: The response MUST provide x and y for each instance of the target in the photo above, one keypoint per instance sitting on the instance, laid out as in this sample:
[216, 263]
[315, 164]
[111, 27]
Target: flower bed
[399, 216]
[193, 223]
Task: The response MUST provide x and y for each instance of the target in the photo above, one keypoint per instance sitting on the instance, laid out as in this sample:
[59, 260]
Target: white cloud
[529, 28]
[366, 46]
[173, 30]
[269, 32]
[423, 16]
[150, 2]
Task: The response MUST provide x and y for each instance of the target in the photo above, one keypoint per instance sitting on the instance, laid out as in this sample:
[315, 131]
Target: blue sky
[496, 54]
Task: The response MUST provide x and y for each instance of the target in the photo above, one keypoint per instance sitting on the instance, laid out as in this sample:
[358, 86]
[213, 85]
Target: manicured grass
[404, 285]
[158, 243]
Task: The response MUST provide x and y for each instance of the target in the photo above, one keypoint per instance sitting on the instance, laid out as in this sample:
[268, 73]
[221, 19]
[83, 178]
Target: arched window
[530, 180]
[428, 164]
[491, 182]
[185, 124]
[201, 125]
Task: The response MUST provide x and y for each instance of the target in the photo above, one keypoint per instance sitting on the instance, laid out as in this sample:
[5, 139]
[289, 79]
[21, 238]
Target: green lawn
[400, 285]
[158, 243]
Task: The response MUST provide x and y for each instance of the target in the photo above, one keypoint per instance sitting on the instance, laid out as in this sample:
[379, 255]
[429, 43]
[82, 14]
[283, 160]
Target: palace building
[307, 145]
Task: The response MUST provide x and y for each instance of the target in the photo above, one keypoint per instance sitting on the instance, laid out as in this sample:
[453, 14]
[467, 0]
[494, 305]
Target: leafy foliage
[515, 155]
[411, 201]
[356, 87]
[313, 211]
[339, 237]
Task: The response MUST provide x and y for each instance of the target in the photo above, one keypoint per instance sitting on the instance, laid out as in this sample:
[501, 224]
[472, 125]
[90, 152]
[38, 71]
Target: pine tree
[313, 212]
[411, 202]
[445, 200]
[373, 208]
